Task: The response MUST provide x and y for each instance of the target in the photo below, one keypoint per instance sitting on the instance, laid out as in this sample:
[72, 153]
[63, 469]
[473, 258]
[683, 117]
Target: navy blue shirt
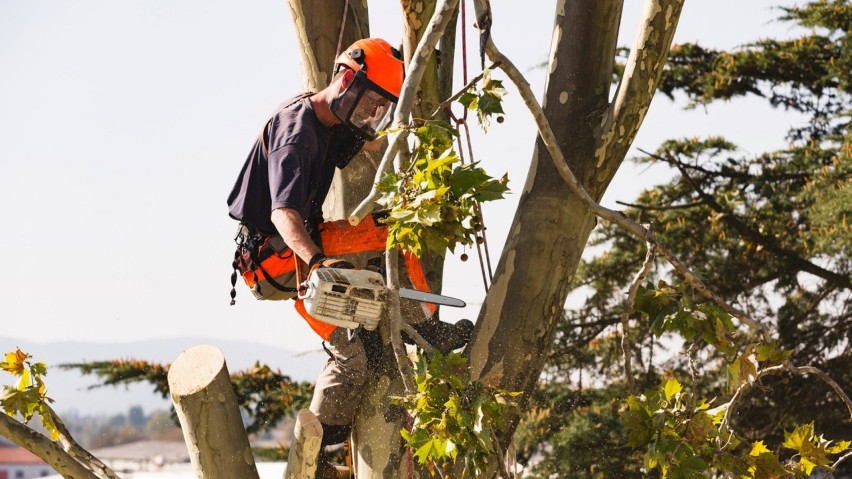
[296, 169]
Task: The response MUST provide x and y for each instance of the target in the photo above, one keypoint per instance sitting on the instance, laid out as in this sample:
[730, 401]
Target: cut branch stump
[305, 449]
[207, 407]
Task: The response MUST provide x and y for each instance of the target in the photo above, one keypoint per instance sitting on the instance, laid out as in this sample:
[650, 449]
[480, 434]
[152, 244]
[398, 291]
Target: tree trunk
[379, 451]
[206, 405]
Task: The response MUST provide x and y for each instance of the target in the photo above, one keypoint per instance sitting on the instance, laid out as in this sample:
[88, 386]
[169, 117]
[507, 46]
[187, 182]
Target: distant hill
[70, 389]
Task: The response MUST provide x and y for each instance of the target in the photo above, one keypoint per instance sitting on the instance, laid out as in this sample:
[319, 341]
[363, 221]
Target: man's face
[372, 112]
[362, 104]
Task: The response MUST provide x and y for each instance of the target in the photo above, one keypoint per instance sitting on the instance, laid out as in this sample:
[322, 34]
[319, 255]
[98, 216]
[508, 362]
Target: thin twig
[661, 207]
[631, 301]
[802, 370]
[829, 474]
[444, 104]
[727, 417]
[787, 366]
[501, 466]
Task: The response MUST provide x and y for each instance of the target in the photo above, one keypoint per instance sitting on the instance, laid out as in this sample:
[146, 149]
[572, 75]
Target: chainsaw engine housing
[348, 298]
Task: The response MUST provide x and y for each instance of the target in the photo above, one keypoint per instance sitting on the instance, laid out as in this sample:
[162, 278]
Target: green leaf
[770, 353]
[806, 465]
[468, 100]
[637, 422]
[23, 380]
[423, 452]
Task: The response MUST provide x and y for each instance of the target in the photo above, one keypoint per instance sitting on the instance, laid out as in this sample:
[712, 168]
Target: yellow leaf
[839, 447]
[757, 448]
[14, 362]
[806, 465]
[23, 380]
[672, 387]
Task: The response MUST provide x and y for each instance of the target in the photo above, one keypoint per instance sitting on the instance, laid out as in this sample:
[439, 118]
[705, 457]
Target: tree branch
[421, 342]
[731, 174]
[684, 206]
[549, 140]
[450, 100]
[641, 76]
[800, 371]
[440, 19]
[75, 450]
[836, 464]
[750, 234]
[49, 452]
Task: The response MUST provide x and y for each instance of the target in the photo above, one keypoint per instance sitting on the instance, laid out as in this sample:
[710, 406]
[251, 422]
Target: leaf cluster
[434, 201]
[28, 396]
[487, 101]
[454, 425]
[685, 438]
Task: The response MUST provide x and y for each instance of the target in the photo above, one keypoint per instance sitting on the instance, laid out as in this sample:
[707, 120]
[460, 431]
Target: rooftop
[18, 455]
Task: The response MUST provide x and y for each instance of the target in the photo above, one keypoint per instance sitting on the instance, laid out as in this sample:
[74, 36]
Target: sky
[123, 126]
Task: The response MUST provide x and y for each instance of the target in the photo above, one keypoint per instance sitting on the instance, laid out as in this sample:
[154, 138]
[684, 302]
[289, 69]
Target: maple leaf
[14, 362]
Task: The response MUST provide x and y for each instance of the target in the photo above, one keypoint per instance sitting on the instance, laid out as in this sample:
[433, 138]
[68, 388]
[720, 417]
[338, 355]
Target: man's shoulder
[294, 124]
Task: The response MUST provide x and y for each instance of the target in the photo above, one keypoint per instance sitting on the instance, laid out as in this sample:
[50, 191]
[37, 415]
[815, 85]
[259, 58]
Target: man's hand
[320, 261]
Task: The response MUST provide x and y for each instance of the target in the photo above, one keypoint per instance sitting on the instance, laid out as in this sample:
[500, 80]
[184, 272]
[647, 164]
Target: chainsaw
[352, 298]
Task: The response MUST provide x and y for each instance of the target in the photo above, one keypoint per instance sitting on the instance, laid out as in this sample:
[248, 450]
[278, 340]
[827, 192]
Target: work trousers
[339, 387]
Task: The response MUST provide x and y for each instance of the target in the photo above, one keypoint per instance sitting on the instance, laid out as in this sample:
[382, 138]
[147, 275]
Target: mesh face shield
[365, 106]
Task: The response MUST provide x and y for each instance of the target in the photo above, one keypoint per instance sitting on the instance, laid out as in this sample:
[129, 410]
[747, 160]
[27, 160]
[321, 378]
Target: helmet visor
[365, 106]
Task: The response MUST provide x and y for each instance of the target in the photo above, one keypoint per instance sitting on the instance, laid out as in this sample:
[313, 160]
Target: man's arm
[291, 227]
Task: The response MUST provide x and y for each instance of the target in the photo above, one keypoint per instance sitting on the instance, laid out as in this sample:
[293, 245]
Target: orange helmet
[378, 60]
[368, 103]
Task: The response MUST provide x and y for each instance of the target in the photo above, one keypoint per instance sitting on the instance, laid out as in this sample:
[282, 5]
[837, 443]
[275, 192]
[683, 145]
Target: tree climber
[282, 238]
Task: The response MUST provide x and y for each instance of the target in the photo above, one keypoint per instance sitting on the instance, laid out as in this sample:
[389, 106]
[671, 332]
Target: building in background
[18, 463]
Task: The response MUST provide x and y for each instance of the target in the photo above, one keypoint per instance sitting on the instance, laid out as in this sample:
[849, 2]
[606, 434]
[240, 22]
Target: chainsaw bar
[433, 298]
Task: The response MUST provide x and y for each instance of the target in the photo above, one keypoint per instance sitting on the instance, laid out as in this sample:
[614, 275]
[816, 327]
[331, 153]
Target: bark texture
[206, 405]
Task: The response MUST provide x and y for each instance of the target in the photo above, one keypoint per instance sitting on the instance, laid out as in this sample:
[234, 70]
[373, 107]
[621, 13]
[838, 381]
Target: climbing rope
[342, 28]
[482, 249]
